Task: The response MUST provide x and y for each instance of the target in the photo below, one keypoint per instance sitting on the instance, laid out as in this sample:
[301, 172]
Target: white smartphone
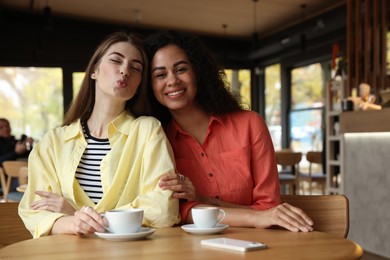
[233, 244]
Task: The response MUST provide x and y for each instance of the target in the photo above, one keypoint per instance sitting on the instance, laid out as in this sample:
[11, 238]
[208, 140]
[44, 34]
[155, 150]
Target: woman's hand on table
[181, 186]
[52, 202]
[287, 216]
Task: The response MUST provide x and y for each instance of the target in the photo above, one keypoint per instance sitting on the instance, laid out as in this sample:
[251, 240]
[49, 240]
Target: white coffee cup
[124, 221]
[207, 217]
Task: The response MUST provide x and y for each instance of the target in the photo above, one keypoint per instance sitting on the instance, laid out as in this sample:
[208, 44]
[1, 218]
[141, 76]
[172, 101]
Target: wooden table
[175, 243]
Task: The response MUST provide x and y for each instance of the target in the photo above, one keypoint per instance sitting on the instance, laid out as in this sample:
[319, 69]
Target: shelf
[334, 141]
[334, 138]
[334, 113]
[334, 163]
[332, 190]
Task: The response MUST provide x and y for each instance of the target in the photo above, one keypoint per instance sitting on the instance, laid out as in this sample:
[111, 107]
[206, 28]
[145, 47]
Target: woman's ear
[93, 76]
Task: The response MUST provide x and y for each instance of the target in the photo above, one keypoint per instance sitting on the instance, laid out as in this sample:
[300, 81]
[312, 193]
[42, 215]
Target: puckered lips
[122, 83]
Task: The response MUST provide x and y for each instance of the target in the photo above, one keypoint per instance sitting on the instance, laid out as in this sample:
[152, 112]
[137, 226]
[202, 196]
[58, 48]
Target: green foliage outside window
[32, 99]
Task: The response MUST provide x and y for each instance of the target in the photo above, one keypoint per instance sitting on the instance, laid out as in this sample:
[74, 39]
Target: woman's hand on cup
[181, 186]
[87, 221]
[52, 202]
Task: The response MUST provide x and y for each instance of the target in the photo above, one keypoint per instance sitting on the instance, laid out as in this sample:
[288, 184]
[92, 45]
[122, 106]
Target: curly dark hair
[212, 95]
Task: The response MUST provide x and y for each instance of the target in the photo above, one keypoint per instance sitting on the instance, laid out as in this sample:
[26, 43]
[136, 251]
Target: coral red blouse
[236, 163]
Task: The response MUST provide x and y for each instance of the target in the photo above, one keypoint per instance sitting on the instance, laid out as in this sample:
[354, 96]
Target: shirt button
[217, 197]
[210, 174]
[202, 154]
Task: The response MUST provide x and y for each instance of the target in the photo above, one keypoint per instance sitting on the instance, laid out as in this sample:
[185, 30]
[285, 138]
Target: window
[77, 79]
[240, 83]
[273, 104]
[307, 105]
[388, 53]
[31, 99]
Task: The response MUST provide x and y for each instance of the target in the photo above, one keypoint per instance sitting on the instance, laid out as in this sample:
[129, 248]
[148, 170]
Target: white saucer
[191, 228]
[142, 233]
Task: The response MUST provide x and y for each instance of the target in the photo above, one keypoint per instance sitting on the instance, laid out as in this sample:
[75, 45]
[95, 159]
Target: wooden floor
[371, 256]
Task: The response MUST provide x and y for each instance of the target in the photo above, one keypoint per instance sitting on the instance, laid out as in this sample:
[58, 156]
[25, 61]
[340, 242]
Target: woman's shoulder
[142, 123]
[147, 121]
[245, 119]
[63, 131]
[244, 116]
[56, 135]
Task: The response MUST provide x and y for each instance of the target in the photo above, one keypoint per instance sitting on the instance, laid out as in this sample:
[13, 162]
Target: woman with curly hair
[224, 152]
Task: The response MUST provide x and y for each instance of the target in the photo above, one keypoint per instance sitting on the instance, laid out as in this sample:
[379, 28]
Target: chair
[12, 228]
[11, 170]
[288, 175]
[330, 213]
[23, 175]
[315, 160]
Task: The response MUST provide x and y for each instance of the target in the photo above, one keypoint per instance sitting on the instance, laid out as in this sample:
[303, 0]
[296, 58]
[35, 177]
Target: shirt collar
[176, 129]
[73, 130]
[119, 124]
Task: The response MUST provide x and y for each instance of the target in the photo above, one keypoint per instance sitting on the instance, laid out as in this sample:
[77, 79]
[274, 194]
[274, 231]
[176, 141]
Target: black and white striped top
[88, 171]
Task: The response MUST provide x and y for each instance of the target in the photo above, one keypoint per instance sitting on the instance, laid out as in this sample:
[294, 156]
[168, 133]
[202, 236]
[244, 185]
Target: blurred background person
[11, 148]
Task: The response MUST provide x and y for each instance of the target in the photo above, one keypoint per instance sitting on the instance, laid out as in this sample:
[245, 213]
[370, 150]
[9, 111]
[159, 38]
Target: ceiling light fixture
[224, 27]
[255, 35]
[303, 35]
[285, 40]
[48, 20]
[224, 50]
[137, 16]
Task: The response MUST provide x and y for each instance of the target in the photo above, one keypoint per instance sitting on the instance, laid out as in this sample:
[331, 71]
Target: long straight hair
[82, 106]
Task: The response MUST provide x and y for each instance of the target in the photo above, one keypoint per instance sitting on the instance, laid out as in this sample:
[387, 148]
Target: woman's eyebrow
[158, 68]
[174, 65]
[179, 63]
[116, 53]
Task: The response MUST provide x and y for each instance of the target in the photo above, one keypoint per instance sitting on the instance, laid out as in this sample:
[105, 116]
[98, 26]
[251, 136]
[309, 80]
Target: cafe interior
[317, 71]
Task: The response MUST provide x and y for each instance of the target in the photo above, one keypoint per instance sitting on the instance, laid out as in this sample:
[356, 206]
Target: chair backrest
[314, 157]
[23, 175]
[2, 180]
[12, 228]
[288, 158]
[11, 169]
[330, 213]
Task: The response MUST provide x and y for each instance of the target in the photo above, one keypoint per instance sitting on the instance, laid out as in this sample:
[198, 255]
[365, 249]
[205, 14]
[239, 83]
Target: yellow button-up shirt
[140, 154]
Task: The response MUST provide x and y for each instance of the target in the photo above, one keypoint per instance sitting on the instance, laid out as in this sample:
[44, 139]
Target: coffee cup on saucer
[124, 221]
[207, 217]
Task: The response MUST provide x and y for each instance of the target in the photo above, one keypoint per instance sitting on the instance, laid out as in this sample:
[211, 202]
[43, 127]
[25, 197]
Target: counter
[366, 136]
[365, 121]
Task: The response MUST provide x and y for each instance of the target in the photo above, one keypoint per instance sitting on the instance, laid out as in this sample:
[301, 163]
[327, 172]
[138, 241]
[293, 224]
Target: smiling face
[173, 78]
[119, 72]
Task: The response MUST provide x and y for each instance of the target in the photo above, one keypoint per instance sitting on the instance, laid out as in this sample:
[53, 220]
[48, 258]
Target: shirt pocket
[234, 171]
